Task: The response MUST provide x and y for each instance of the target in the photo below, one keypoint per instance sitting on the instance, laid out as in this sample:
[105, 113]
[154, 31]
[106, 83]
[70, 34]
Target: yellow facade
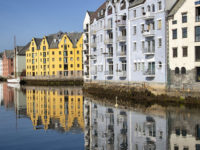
[47, 106]
[55, 57]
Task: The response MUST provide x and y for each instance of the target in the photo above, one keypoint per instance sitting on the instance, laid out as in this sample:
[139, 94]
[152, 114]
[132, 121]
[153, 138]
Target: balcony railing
[86, 62]
[150, 73]
[149, 51]
[121, 54]
[149, 15]
[86, 41]
[108, 27]
[93, 32]
[122, 73]
[148, 33]
[108, 41]
[109, 55]
[121, 38]
[109, 73]
[93, 45]
[86, 30]
[121, 23]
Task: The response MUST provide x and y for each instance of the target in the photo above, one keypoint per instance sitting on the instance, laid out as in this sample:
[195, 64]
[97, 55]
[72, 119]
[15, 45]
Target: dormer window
[109, 10]
[122, 5]
[102, 12]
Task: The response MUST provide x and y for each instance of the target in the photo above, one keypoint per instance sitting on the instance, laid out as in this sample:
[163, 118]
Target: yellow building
[49, 106]
[55, 56]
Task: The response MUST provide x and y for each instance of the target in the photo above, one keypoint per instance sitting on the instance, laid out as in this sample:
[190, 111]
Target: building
[55, 56]
[184, 44]
[1, 64]
[55, 108]
[8, 63]
[20, 62]
[125, 42]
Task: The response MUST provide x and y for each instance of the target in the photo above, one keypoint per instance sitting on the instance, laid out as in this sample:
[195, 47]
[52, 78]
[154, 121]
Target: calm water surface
[61, 118]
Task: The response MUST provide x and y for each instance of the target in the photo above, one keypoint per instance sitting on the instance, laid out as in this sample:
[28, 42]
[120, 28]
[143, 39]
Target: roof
[22, 52]
[54, 39]
[133, 3]
[74, 37]
[38, 41]
[176, 7]
[94, 15]
[9, 53]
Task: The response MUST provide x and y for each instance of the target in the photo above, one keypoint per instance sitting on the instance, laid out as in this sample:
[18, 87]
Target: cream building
[184, 44]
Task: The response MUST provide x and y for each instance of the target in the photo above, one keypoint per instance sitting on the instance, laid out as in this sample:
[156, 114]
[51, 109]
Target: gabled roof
[38, 41]
[133, 3]
[53, 39]
[74, 37]
[176, 7]
[9, 53]
[22, 52]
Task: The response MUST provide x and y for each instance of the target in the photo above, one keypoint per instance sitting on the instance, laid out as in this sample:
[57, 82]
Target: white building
[184, 44]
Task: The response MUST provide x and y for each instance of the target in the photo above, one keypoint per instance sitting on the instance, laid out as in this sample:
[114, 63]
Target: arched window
[148, 8]
[177, 71]
[109, 10]
[153, 8]
[122, 5]
[183, 70]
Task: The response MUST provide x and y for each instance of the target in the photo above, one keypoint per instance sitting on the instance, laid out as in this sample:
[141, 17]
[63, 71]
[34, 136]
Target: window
[184, 17]
[175, 52]
[52, 53]
[185, 51]
[148, 8]
[134, 14]
[183, 71]
[44, 48]
[134, 30]
[197, 146]
[59, 52]
[159, 24]
[159, 42]
[153, 8]
[71, 52]
[176, 147]
[77, 51]
[198, 14]
[134, 46]
[60, 59]
[197, 34]
[71, 65]
[78, 65]
[177, 71]
[198, 132]
[174, 22]
[53, 59]
[142, 11]
[109, 10]
[174, 34]
[60, 66]
[53, 66]
[197, 53]
[159, 5]
[32, 49]
[184, 32]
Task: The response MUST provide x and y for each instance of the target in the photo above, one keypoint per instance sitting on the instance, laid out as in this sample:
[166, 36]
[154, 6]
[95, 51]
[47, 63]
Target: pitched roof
[133, 3]
[94, 15]
[22, 52]
[74, 37]
[38, 41]
[176, 7]
[53, 39]
[9, 53]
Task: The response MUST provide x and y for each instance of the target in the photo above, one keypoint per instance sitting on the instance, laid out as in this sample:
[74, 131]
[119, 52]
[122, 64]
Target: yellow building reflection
[55, 108]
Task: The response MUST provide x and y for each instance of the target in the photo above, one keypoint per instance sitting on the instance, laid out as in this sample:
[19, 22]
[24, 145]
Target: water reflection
[55, 108]
[105, 127]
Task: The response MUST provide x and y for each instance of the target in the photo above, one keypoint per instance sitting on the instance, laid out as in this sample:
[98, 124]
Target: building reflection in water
[55, 108]
[8, 96]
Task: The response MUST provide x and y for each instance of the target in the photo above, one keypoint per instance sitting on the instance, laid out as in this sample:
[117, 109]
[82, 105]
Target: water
[61, 118]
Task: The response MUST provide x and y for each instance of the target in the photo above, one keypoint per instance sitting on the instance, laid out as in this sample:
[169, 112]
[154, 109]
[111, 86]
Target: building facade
[1, 64]
[184, 44]
[8, 63]
[127, 41]
[55, 56]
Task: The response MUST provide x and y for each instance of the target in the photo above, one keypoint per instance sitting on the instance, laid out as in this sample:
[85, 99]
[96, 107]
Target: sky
[35, 18]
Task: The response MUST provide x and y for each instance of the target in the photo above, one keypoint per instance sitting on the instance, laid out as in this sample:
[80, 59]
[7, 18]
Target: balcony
[148, 33]
[150, 73]
[86, 30]
[86, 62]
[121, 54]
[108, 27]
[109, 55]
[121, 23]
[122, 74]
[93, 32]
[109, 73]
[148, 16]
[86, 51]
[149, 51]
[86, 41]
[94, 73]
[121, 38]
[93, 45]
[108, 41]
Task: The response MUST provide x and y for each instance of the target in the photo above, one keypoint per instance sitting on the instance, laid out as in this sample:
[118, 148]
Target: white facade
[184, 43]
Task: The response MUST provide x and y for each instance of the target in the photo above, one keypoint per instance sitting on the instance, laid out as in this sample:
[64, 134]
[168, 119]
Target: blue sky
[35, 18]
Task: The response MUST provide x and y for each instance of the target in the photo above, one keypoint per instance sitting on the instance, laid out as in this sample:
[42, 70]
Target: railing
[94, 32]
[93, 45]
[121, 38]
[121, 54]
[149, 15]
[108, 73]
[149, 50]
[122, 73]
[150, 72]
[108, 27]
[148, 33]
[108, 41]
[86, 41]
[109, 55]
[121, 22]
